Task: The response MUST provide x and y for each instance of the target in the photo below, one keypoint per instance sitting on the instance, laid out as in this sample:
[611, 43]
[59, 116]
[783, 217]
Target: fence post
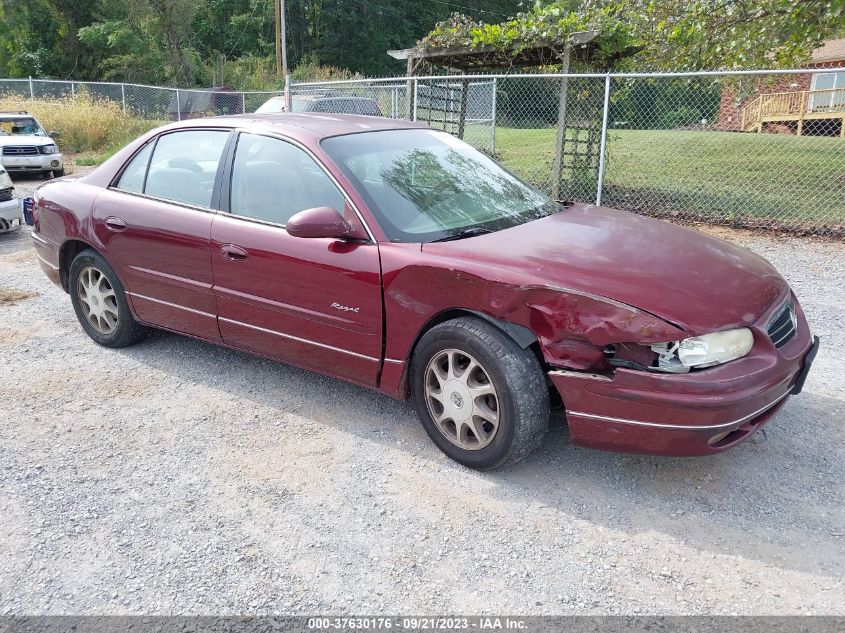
[603, 144]
[287, 93]
[123, 96]
[415, 99]
[243, 103]
[31, 93]
[495, 85]
[72, 90]
[178, 106]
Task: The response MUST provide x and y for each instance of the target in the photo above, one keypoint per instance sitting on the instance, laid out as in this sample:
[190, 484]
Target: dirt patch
[12, 337]
[21, 257]
[10, 296]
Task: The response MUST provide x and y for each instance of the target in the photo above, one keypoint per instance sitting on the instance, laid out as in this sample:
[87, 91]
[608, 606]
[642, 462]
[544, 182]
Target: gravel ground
[180, 477]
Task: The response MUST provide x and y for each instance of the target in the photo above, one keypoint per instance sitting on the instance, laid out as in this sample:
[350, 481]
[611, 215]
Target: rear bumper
[699, 413]
[48, 256]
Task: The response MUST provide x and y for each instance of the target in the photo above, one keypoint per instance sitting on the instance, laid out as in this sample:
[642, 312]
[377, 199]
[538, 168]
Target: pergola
[580, 46]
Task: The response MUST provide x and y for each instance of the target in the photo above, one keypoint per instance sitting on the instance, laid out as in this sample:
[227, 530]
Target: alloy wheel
[98, 300]
[461, 399]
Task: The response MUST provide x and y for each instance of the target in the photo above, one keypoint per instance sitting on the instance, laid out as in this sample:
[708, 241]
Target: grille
[783, 325]
[6, 194]
[20, 150]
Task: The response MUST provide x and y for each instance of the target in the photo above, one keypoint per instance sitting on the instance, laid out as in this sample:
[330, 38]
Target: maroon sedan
[401, 259]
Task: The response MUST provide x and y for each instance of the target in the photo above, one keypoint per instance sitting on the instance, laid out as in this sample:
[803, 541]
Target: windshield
[425, 185]
[20, 126]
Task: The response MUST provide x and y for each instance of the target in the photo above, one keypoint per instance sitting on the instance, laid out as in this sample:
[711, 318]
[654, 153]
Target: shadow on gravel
[774, 499]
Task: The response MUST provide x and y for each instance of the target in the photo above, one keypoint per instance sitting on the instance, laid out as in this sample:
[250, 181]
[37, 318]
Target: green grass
[743, 179]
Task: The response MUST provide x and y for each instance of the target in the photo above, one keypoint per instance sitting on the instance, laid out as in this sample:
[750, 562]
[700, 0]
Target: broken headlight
[703, 351]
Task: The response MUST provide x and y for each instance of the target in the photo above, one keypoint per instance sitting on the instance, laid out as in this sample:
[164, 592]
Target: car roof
[311, 126]
[17, 115]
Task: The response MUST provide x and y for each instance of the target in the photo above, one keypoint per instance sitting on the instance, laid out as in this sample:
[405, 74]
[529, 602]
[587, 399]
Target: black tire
[523, 397]
[58, 173]
[127, 330]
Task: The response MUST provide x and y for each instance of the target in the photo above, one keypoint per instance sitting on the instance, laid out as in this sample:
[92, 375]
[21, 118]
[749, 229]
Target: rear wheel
[99, 302]
[481, 398]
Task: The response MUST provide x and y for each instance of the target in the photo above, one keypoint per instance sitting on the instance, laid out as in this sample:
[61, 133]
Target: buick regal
[399, 258]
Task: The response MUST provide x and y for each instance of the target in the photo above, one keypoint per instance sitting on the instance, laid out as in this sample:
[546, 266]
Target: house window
[827, 92]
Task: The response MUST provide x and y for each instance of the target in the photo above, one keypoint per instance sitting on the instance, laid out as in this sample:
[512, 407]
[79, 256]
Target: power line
[443, 2]
[459, 6]
[246, 24]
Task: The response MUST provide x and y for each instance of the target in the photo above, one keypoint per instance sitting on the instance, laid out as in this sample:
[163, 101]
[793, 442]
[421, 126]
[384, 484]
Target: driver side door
[311, 302]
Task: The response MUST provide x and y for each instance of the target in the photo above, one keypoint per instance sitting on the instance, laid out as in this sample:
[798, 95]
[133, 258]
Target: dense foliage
[205, 42]
[186, 42]
[673, 34]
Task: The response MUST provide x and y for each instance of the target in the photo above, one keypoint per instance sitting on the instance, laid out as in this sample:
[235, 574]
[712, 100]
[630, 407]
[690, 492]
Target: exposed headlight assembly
[703, 351]
[49, 149]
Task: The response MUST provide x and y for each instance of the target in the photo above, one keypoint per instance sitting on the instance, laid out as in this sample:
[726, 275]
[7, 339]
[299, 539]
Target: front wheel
[99, 302]
[481, 398]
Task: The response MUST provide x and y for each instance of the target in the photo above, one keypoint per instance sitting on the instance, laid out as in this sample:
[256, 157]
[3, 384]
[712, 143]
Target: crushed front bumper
[698, 413]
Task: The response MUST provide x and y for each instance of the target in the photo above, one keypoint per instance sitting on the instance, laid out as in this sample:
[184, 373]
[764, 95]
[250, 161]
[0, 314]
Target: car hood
[25, 139]
[699, 283]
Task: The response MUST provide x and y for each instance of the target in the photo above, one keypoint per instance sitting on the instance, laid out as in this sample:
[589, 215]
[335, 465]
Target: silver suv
[26, 147]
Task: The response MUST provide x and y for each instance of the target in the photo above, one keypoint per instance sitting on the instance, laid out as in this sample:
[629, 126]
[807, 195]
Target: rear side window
[184, 166]
[133, 176]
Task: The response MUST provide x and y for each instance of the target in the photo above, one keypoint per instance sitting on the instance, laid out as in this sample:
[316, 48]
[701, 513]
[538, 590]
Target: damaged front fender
[573, 328]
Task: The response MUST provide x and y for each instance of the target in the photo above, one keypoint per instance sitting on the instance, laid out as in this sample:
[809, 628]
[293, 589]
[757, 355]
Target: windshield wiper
[462, 234]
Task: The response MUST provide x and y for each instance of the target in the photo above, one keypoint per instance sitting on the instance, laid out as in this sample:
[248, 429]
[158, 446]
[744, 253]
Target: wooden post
[462, 111]
[409, 89]
[557, 175]
[278, 9]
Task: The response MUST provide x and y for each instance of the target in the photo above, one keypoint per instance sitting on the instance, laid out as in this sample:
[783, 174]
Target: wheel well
[67, 253]
[523, 337]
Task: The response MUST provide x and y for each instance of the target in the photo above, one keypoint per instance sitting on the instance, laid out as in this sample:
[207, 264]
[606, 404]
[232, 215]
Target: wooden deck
[795, 107]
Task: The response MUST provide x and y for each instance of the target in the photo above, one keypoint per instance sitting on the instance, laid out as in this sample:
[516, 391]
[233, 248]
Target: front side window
[425, 185]
[184, 166]
[272, 180]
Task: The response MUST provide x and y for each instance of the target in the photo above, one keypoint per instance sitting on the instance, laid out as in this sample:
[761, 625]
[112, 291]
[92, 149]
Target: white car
[11, 217]
[26, 147]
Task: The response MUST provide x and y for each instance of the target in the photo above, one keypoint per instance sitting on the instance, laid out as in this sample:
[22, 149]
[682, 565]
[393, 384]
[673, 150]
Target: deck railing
[792, 105]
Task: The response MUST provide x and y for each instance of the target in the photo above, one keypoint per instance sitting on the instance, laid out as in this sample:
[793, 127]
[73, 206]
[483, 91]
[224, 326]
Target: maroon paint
[354, 308]
[321, 222]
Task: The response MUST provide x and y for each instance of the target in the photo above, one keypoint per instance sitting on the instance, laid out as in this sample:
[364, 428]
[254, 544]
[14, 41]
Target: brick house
[806, 104]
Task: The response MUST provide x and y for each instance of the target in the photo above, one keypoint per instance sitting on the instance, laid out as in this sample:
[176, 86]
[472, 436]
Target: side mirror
[54, 134]
[318, 222]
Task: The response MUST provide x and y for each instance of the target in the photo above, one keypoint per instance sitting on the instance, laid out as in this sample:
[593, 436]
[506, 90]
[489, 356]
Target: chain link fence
[750, 149]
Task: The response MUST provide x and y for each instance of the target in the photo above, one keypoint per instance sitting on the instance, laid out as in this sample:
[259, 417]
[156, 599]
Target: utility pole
[281, 44]
[281, 49]
[278, 6]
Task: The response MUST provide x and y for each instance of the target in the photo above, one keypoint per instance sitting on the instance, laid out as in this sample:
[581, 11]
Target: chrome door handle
[233, 252]
[115, 224]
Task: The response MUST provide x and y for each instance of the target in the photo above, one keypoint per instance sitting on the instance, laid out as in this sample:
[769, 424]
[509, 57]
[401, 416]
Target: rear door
[155, 222]
[310, 302]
